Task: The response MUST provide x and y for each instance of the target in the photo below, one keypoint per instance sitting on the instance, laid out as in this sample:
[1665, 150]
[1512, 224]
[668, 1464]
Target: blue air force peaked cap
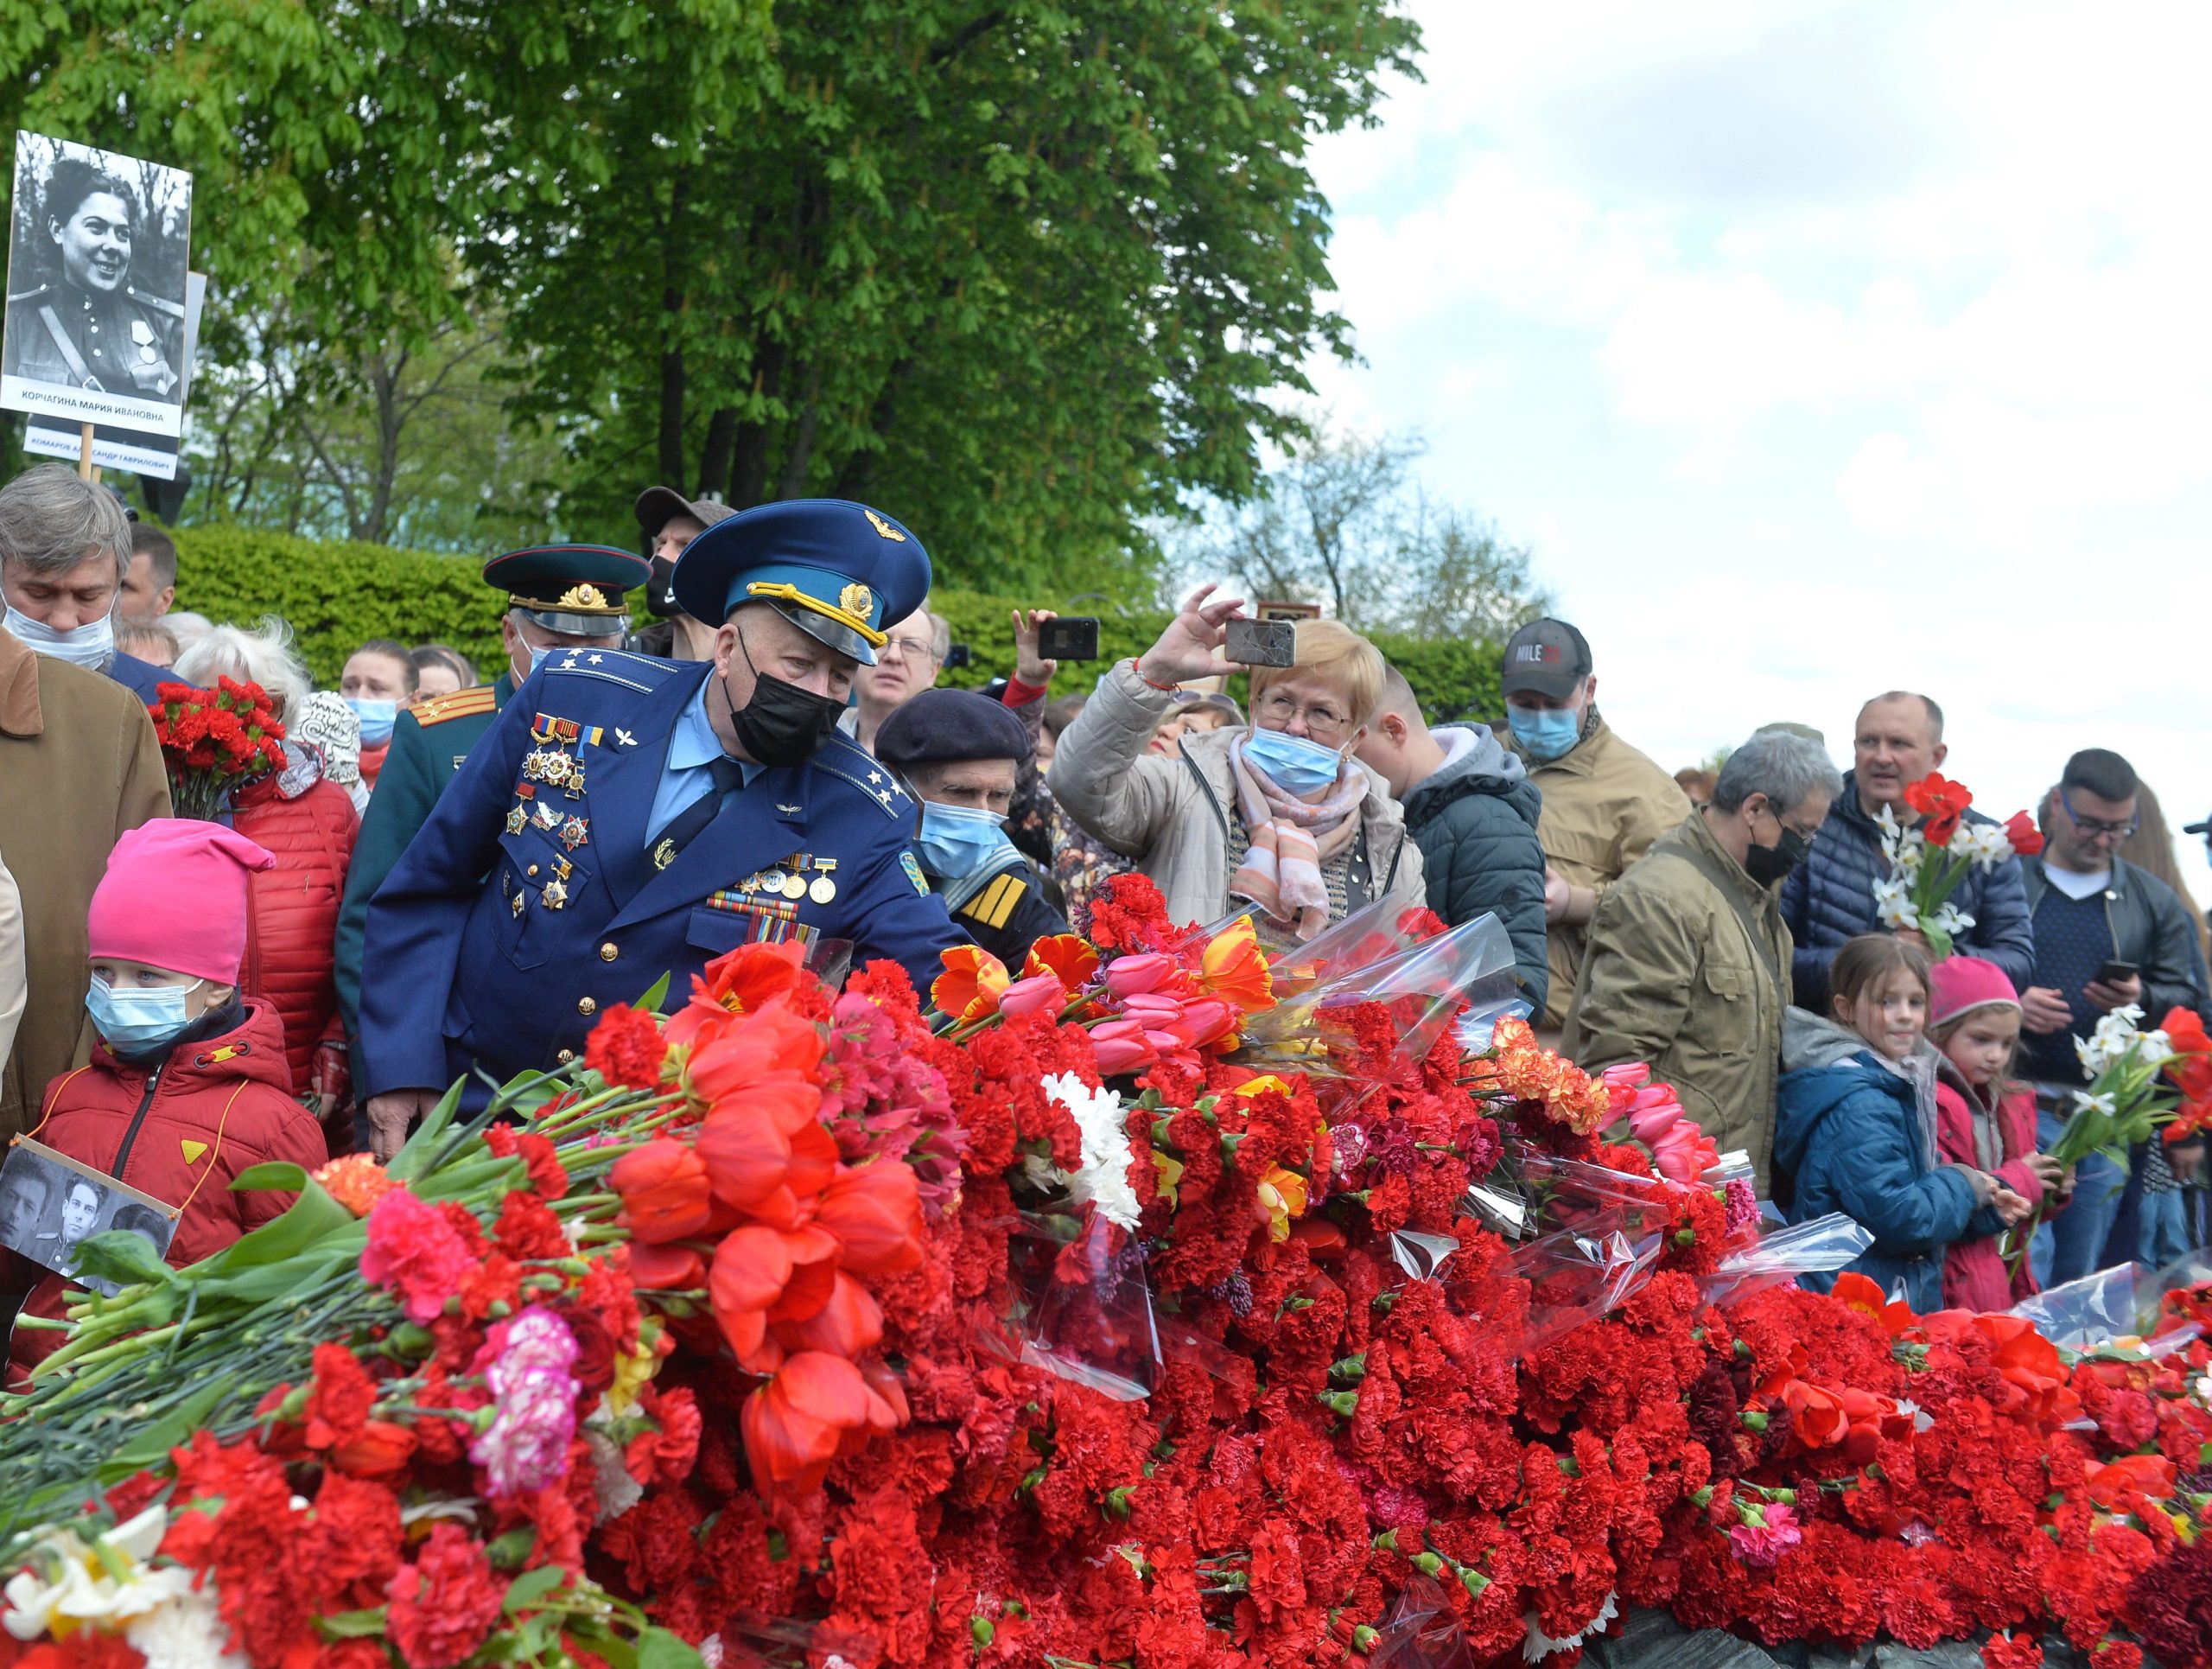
[938, 725]
[838, 571]
[572, 588]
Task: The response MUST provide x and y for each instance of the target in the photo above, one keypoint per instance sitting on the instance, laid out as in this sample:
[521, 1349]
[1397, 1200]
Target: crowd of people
[740, 735]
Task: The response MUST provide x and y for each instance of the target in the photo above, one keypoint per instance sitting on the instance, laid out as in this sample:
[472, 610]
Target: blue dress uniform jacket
[530, 900]
[1005, 913]
[429, 739]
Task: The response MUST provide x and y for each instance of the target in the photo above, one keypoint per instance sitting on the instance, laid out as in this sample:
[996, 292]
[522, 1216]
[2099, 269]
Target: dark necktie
[676, 833]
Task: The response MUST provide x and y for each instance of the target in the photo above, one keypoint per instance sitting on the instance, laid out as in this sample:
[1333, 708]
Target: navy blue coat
[1829, 898]
[472, 957]
[1848, 1138]
[142, 678]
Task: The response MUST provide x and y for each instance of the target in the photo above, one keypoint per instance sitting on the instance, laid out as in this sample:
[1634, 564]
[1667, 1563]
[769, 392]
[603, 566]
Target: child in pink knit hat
[187, 1087]
[1985, 1120]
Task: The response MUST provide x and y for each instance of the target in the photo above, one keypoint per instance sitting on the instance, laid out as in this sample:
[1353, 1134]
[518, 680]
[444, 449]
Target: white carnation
[1104, 1179]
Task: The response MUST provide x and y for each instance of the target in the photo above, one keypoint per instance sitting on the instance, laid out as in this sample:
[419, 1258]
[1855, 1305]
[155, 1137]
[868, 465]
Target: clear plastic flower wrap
[1573, 1278]
[1079, 1305]
[2120, 1306]
[1818, 1245]
[1419, 1632]
[1574, 1196]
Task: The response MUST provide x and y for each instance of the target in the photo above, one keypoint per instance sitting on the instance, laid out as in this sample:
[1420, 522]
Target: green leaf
[532, 1585]
[312, 1218]
[652, 1001]
[429, 1137]
[275, 1174]
[154, 1441]
[124, 1257]
[658, 1649]
[354, 1625]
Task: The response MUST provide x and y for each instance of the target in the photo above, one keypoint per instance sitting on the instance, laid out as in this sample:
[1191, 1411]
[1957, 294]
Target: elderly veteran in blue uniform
[960, 753]
[627, 817]
[558, 597]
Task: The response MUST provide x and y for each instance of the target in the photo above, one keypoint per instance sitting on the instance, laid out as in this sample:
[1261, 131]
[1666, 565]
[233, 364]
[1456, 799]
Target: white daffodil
[1893, 902]
[107, 1579]
[1104, 1179]
[2085, 1102]
[1886, 821]
[1950, 920]
[2154, 1046]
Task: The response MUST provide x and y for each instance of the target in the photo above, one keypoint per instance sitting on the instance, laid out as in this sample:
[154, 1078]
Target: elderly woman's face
[1306, 704]
[96, 243]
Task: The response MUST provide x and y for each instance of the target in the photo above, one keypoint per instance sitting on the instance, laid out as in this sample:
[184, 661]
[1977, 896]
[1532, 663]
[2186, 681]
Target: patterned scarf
[1290, 842]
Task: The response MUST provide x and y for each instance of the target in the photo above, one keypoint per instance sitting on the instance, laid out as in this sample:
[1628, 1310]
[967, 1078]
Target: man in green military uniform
[558, 597]
[93, 326]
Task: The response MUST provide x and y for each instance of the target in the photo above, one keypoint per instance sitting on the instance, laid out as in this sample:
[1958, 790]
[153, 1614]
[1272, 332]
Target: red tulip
[817, 1407]
[876, 1213]
[744, 982]
[762, 1274]
[1065, 956]
[1942, 803]
[2020, 828]
[2149, 1475]
[969, 987]
[850, 1323]
[666, 1269]
[663, 1189]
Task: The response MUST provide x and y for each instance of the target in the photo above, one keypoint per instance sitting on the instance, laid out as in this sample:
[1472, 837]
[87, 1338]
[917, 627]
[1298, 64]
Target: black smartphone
[2112, 972]
[1074, 637]
[959, 655]
[1261, 643]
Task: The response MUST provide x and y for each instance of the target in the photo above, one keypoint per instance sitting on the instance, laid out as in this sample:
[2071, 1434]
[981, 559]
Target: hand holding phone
[1261, 642]
[1072, 638]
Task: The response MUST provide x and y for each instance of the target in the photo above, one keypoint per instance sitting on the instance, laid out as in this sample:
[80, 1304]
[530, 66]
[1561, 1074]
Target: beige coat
[1604, 803]
[1172, 812]
[79, 765]
[1675, 977]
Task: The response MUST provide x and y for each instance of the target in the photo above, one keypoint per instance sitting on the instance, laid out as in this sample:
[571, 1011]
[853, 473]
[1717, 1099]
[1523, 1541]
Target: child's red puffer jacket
[292, 923]
[181, 1128]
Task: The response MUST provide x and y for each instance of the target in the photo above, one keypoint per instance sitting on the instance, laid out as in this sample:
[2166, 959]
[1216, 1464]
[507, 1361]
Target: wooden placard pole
[85, 470]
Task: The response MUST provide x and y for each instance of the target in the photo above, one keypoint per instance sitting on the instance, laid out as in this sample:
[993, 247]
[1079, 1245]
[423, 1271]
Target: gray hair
[187, 628]
[1780, 764]
[50, 521]
[262, 657]
[940, 636]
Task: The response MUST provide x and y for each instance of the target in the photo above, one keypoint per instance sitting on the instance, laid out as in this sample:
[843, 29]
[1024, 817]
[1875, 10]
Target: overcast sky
[1818, 349]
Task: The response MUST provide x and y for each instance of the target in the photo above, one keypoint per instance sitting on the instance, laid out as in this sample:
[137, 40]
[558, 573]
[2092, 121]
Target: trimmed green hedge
[337, 595]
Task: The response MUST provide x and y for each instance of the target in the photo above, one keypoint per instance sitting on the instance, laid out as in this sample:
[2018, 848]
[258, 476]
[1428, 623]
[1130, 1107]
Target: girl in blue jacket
[1855, 1130]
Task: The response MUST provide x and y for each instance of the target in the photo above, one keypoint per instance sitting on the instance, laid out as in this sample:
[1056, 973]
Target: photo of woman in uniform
[96, 283]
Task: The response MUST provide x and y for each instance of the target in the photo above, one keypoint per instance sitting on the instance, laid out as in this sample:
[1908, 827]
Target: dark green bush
[337, 595]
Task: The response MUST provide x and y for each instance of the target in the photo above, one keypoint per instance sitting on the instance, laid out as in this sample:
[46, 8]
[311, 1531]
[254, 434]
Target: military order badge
[96, 287]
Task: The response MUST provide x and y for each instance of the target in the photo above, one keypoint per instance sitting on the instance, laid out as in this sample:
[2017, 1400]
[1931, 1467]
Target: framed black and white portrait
[50, 1205]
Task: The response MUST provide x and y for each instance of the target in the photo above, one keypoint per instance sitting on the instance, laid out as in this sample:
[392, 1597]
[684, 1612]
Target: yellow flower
[632, 1373]
[1281, 1195]
[1260, 1086]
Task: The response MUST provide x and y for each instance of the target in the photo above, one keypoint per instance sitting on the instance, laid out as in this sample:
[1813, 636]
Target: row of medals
[789, 879]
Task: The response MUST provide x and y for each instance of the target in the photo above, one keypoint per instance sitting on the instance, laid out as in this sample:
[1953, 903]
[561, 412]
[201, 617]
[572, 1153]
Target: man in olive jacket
[1688, 960]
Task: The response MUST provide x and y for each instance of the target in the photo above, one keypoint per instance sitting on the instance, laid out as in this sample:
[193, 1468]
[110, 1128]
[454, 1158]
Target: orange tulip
[969, 988]
[1063, 956]
[1816, 1418]
[776, 1052]
[380, 1449]
[1234, 968]
[663, 1189]
[1854, 1291]
[745, 981]
[849, 1324]
[817, 1407]
[762, 1274]
[755, 1167]
[875, 1211]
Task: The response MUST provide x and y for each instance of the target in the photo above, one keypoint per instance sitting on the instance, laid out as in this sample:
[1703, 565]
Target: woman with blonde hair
[1278, 812]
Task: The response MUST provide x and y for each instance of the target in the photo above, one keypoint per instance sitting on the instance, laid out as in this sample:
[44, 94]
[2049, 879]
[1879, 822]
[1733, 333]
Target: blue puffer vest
[1830, 898]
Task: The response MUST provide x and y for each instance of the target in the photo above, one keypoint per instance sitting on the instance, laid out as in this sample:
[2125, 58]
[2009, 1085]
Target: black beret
[943, 724]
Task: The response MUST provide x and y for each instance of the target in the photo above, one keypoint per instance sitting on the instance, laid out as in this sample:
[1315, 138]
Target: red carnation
[415, 1253]
[625, 1047]
[443, 1605]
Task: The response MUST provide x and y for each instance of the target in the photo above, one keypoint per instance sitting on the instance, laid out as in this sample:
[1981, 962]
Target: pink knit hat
[173, 897]
[1959, 983]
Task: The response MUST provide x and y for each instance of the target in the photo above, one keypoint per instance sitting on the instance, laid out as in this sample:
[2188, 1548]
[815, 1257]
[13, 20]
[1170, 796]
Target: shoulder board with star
[30, 294]
[159, 303]
[454, 704]
[639, 672]
[848, 762]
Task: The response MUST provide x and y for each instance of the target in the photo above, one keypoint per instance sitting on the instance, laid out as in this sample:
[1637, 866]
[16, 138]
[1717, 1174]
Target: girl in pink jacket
[1984, 1119]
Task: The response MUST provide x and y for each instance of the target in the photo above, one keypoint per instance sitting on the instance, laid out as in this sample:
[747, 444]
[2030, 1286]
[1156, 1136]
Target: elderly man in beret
[961, 752]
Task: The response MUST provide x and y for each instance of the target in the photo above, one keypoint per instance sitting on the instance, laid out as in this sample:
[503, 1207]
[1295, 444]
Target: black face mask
[782, 724]
[1768, 864]
[660, 590]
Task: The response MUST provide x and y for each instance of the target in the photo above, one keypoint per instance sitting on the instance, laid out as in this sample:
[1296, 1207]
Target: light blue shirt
[684, 776]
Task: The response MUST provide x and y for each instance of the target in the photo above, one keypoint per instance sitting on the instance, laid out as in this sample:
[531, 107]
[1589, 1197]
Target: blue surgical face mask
[377, 718]
[1296, 765]
[136, 1020]
[88, 646]
[1547, 732]
[957, 841]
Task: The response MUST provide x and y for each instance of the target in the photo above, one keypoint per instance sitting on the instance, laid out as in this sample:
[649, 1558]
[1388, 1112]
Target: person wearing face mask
[378, 679]
[188, 1088]
[1688, 965]
[1604, 803]
[1278, 813]
[557, 596]
[961, 752]
[627, 817]
[64, 544]
[669, 522]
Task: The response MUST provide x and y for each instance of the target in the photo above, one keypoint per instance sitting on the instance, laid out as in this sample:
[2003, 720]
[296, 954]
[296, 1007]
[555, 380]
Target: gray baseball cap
[1547, 658]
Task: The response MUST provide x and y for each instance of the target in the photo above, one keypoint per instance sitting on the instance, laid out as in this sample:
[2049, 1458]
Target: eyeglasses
[2094, 826]
[910, 648]
[1321, 719]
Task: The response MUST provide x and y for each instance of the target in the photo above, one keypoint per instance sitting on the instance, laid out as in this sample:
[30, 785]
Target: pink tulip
[1628, 1075]
[1205, 1020]
[1651, 1123]
[1041, 993]
[1127, 976]
[1684, 1153]
[1122, 1045]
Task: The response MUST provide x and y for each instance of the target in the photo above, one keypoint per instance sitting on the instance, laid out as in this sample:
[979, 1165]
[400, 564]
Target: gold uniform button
[533, 869]
[585, 1005]
[607, 952]
[565, 1056]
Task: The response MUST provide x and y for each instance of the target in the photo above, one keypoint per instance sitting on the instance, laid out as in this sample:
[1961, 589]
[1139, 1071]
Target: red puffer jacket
[292, 910]
[181, 1129]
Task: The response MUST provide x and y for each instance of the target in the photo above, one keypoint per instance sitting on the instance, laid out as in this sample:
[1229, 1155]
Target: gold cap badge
[881, 526]
[582, 597]
[856, 600]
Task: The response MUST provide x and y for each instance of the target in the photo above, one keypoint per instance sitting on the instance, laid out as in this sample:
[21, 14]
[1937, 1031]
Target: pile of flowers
[1928, 861]
[214, 741]
[1157, 1303]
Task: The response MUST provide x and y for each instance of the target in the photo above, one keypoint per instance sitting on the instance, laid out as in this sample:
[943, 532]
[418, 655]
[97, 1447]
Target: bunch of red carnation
[214, 741]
